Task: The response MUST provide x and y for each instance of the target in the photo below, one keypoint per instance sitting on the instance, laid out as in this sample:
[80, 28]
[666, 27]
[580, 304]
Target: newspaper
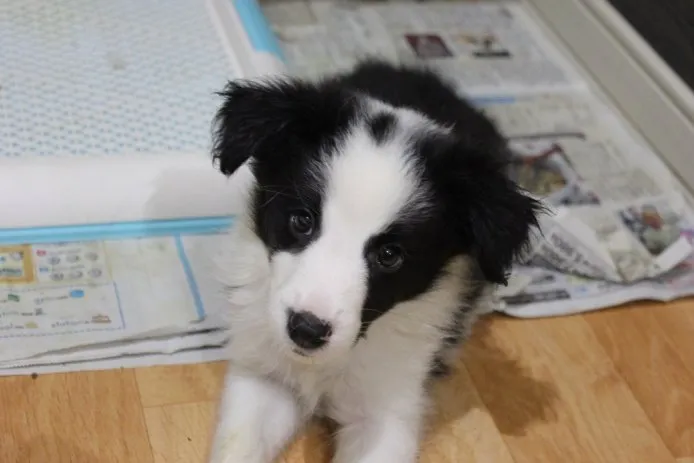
[618, 227]
[491, 47]
[71, 302]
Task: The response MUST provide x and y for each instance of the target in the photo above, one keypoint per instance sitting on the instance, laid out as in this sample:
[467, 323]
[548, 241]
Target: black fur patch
[283, 121]
[430, 246]
[381, 127]
[439, 368]
[454, 334]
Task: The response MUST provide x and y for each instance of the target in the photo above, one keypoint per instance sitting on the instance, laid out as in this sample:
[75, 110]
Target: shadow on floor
[490, 377]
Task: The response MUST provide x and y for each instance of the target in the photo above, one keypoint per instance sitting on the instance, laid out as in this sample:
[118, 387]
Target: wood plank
[462, 429]
[175, 384]
[181, 433]
[652, 346]
[75, 418]
[556, 396]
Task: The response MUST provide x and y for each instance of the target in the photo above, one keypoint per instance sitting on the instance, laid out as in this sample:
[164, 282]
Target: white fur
[373, 389]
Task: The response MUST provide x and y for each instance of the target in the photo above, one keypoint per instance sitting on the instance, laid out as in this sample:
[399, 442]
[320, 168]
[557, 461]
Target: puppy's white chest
[374, 377]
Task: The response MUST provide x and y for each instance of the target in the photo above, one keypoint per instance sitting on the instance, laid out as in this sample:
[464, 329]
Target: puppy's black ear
[492, 216]
[263, 119]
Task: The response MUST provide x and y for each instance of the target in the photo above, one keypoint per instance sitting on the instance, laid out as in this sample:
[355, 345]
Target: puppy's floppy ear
[261, 119]
[490, 213]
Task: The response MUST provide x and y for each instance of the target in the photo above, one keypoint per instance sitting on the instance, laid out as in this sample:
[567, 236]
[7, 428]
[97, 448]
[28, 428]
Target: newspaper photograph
[492, 48]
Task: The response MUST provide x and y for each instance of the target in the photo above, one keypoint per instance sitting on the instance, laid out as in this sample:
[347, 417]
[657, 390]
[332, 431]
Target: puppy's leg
[383, 437]
[256, 419]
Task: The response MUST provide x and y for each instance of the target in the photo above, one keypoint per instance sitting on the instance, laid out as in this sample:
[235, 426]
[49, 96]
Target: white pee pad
[106, 107]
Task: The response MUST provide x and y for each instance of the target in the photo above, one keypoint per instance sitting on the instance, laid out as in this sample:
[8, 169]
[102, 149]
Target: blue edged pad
[261, 36]
[111, 231]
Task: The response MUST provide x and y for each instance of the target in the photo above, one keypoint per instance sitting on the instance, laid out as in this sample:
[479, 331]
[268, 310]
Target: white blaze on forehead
[368, 185]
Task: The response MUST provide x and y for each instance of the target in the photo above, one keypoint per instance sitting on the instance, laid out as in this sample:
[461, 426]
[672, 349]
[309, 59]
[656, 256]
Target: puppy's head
[361, 205]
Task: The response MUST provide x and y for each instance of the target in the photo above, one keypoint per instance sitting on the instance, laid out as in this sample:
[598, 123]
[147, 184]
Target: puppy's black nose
[306, 330]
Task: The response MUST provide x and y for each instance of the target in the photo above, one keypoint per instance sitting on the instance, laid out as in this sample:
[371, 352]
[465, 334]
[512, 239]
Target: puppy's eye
[301, 223]
[389, 257]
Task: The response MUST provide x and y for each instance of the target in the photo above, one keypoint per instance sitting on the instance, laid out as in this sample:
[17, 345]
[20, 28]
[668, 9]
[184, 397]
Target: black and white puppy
[378, 215]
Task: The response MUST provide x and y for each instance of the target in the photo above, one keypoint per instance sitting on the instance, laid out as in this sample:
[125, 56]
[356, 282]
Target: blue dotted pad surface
[108, 77]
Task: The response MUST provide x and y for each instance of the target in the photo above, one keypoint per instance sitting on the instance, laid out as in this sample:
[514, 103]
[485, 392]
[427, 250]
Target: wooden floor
[613, 387]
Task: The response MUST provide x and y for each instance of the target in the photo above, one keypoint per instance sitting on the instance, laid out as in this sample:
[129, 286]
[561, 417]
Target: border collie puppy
[378, 215]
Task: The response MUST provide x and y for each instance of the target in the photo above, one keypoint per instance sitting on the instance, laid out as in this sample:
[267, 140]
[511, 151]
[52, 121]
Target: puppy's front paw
[379, 440]
[257, 418]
